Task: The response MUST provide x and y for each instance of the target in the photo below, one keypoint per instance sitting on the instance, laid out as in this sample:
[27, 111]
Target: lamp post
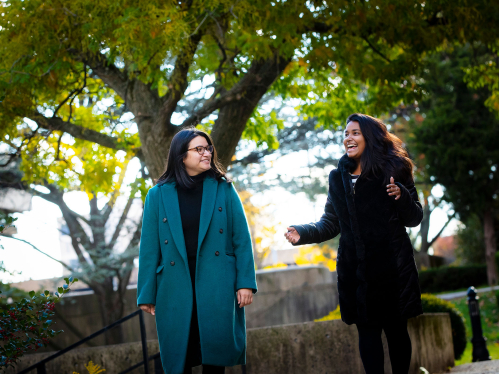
[480, 352]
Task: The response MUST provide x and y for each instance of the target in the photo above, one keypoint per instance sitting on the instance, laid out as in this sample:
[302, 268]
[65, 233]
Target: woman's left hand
[244, 297]
[393, 189]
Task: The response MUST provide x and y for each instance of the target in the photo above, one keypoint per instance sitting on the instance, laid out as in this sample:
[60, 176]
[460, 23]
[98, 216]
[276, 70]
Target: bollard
[480, 352]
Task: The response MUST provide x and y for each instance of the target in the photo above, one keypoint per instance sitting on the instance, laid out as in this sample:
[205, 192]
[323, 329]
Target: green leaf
[46, 293]
[32, 294]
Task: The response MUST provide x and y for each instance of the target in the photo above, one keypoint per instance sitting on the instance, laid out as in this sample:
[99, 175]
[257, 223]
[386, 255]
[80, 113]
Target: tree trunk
[155, 139]
[490, 246]
[425, 228]
[111, 309]
[232, 118]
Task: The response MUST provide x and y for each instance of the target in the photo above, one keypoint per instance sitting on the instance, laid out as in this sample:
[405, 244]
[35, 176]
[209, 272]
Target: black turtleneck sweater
[189, 201]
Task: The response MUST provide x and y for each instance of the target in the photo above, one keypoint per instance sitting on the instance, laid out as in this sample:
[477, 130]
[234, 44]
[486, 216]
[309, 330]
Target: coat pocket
[159, 269]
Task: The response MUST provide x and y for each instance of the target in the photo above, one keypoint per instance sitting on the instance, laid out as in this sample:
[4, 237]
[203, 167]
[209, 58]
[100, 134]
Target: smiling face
[354, 141]
[194, 162]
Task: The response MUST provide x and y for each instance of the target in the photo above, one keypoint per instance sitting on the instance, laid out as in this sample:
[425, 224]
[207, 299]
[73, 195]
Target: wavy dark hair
[175, 168]
[384, 153]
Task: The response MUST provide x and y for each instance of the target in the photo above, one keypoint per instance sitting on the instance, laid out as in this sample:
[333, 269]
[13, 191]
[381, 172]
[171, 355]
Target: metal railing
[40, 366]
[158, 368]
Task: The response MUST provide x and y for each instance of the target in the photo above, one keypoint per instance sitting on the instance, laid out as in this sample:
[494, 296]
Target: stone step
[484, 367]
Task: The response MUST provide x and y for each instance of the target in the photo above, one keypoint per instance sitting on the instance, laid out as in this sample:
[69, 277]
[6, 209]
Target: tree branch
[57, 124]
[39, 250]
[143, 100]
[124, 215]
[77, 234]
[106, 211]
[178, 80]
[378, 52]
[235, 93]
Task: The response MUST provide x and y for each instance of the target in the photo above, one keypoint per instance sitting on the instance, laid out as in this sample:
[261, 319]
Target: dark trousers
[193, 357]
[371, 346]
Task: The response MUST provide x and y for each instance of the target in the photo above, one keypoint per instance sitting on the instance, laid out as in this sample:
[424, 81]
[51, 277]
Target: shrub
[335, 314]
[25, 324]
[433, 304]
[450, 278]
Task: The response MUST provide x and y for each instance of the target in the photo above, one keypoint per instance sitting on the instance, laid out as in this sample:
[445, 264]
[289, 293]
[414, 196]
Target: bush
[433, 304]
[25, 324]
[452, 278]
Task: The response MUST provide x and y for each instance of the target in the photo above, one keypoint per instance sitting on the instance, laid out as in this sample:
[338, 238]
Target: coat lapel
[210, 187]
[170, 201]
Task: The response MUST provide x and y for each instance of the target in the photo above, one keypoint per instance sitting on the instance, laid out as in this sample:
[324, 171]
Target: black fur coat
[377, 275]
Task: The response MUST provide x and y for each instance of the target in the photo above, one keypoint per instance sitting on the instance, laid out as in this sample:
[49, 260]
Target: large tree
[86, 86]
[457, 136]
[76, 68]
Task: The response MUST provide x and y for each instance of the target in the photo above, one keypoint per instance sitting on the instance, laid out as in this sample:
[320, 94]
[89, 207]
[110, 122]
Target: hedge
[433, 304]
[451, 278]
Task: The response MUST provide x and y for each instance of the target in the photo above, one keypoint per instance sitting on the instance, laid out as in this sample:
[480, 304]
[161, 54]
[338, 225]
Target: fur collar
[347, 164]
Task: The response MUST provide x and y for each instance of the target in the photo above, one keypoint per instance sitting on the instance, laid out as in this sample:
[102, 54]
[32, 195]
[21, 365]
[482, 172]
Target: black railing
[40, 366]
[158, 368]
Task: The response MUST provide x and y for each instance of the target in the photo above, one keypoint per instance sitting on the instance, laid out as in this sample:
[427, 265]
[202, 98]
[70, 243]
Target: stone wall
[287, 295]
[308, 348]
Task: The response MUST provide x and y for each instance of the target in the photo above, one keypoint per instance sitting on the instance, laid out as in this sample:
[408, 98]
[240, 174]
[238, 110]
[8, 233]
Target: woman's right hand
[292, 235]
[148, 308]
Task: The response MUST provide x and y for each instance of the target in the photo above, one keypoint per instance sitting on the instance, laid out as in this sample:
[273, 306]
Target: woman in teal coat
[196, 267]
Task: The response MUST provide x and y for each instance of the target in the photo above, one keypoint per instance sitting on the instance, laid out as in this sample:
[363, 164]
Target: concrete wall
[292, 295]
[287, 295]
[308, 348]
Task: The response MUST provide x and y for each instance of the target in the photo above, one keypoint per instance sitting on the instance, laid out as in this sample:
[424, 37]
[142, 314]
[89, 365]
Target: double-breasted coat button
[164, 220]
[172, 263]
[221, 231]
[166, 241]
[217, 253]
[220, 209]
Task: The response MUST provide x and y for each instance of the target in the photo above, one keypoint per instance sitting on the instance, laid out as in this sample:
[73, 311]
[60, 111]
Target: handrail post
[480, 351]
[40, 369]
[144, 341]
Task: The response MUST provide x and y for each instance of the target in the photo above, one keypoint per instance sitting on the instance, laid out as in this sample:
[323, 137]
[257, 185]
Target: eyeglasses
[200, 149]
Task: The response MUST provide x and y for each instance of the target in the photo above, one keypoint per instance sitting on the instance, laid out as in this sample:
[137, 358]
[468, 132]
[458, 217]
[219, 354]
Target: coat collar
[170, 201]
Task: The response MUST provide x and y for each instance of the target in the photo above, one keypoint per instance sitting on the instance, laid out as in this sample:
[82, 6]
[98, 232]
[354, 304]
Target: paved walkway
[455, 295]
[485, 367]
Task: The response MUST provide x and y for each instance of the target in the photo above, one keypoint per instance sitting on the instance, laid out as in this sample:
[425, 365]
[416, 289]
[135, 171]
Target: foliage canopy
[82, 81]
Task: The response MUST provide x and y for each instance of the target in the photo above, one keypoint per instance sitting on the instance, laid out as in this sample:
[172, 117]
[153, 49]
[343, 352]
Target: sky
[40, 226]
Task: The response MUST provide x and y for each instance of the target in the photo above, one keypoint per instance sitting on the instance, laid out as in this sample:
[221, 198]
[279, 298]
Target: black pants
[193, 356]
[371, 346]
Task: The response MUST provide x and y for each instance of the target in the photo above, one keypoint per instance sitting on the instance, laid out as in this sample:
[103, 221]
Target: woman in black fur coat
[371, 201]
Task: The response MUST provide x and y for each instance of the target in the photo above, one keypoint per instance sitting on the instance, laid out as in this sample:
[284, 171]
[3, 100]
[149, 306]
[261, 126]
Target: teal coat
[224, 265]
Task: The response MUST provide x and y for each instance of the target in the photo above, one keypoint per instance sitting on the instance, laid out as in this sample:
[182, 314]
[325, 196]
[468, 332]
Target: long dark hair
[384, 153]
[175, 168]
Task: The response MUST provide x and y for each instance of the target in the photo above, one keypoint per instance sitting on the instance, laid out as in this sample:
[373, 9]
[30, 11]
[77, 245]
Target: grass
[489, 312]
[459, 290]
